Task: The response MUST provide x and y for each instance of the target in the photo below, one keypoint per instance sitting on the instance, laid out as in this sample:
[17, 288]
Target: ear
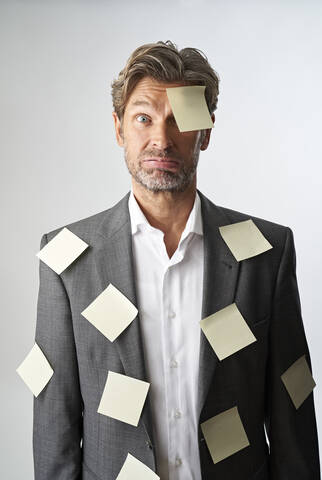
[206, 140]
[118, 129]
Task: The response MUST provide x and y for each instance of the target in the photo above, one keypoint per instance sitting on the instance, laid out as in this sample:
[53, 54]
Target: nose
[161, 137]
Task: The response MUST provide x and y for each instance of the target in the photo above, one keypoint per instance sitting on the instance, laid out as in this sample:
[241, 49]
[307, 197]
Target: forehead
[151, 90]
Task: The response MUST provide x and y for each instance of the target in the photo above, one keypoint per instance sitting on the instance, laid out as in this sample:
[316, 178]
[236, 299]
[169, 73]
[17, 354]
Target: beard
[162, 180]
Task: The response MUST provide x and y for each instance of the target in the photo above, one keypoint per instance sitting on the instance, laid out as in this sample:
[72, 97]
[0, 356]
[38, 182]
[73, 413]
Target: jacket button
[148, 444]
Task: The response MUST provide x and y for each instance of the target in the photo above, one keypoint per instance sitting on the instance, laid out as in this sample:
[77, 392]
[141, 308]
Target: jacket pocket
[260, 329]
[262, 320]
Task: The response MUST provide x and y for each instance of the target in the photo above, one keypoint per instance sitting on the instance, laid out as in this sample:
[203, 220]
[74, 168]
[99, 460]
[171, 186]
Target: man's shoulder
[236, 216]
[101, 224]
[273, 231]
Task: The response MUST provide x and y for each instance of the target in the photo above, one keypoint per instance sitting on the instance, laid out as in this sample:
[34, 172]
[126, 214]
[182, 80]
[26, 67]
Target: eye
[142, 118]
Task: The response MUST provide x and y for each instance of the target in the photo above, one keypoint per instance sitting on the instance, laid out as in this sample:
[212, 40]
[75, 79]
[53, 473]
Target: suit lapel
[219, 287]
[114, 264]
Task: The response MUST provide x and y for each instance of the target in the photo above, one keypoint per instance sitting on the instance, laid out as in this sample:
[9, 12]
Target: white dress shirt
[169, 294]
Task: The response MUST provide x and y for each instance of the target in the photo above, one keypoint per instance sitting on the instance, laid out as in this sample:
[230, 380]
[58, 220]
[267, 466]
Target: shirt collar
[139, 220]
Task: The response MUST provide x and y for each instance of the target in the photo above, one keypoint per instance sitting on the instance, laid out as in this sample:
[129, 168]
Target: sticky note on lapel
[244, 239]
[35, 370]
[111, 312]
[62, 250]
[224, 434]
[189, 107]
[123, 398]
[227, 331]
[298, 381]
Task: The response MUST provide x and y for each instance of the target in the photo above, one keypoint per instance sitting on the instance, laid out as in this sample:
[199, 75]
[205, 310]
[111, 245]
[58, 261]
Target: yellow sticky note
[133, 469]
[62, 250]
[224, 434]
[298, 381]
[227, 331]
[189, 107]
[244, 239]
[123, 398]
[111, 312]
[35, 370]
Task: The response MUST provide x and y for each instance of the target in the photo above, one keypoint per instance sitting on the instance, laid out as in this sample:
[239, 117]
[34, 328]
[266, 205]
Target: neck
[167, 211]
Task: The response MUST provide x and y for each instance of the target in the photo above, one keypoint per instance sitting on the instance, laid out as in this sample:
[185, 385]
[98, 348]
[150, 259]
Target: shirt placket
[172, 367]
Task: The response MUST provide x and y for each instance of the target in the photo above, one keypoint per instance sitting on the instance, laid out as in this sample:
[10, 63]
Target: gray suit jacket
[72, 441]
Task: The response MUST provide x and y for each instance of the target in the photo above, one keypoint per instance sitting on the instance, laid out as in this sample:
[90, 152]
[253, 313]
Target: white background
[60, 161]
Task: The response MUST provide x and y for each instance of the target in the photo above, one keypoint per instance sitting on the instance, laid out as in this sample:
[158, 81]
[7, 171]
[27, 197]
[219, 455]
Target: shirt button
[178, 462]
[172, 314]
[173, 364]
[177, 414]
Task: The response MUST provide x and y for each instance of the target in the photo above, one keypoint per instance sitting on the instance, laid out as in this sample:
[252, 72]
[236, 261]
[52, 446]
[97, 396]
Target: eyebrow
[145, 103]
[141, 102]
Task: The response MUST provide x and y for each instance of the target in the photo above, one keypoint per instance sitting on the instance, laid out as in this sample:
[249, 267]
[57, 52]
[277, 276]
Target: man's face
[158, 156]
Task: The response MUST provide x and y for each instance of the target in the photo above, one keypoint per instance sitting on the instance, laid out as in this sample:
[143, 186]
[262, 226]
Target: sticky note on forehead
[189, 107]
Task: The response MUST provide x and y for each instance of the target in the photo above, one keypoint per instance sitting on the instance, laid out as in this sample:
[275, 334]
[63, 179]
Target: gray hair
[163, 62]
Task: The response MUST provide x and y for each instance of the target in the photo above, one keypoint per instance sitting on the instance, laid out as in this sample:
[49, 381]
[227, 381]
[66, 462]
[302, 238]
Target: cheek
[136, 137]
[134, 145]
[188, 143]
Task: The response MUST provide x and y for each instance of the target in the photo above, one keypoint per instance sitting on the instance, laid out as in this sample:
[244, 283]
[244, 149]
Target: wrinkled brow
[140, 103]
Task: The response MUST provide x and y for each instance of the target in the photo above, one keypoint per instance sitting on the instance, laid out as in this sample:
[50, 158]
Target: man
[161, 246]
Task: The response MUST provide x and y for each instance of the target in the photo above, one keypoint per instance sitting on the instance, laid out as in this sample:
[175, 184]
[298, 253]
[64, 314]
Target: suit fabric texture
[71, 441]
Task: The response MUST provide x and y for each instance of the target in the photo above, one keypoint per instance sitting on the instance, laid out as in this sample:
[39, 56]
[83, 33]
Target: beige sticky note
[111, 312]
[227, 331]
[133, 469]
[298, 381]
[224, 434]
[35, 370]
[123, 398]
[244, 239]
[62, 250]
[189, 107]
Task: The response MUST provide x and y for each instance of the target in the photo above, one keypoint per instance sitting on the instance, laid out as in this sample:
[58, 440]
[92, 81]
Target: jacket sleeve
[292, 433]
[57, 422]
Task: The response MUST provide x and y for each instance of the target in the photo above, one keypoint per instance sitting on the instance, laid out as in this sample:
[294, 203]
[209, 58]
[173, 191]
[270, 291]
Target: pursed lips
[161, 161]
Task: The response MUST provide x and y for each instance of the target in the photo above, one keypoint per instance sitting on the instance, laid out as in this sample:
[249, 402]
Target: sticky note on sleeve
[227, 331]
[133, 469]
[62, 250]
[111, 312]
[244, 239]
[35, 370]
[298, 381]
[224, 434]
[189, 107]
[123, 398]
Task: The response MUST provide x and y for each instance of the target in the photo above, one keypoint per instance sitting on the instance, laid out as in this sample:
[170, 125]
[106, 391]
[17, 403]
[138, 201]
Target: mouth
[164, 162]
